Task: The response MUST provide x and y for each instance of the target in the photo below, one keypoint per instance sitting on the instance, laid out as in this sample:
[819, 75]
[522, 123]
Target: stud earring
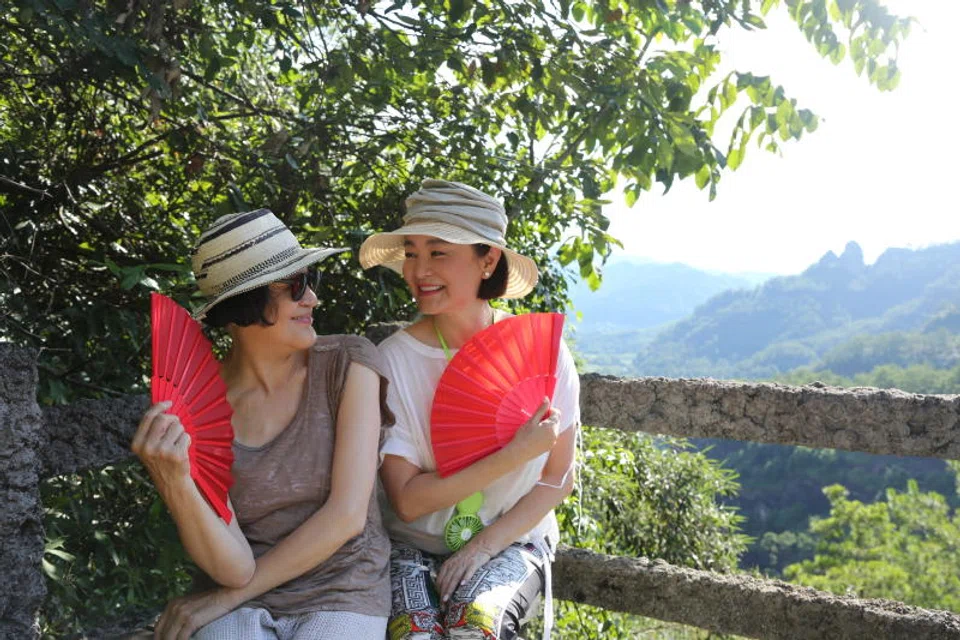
[486, 274]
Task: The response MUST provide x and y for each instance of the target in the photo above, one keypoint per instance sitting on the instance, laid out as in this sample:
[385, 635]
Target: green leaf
[703, 176]
[734, 158]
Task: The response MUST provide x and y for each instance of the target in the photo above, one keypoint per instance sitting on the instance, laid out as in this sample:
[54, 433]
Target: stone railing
[36, 444]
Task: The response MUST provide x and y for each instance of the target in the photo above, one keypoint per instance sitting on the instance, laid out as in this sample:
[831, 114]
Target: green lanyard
[443, 343]
[464, 523]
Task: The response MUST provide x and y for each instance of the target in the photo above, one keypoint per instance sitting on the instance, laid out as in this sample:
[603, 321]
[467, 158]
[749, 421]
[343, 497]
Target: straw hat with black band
[458, 214]
[243, 251]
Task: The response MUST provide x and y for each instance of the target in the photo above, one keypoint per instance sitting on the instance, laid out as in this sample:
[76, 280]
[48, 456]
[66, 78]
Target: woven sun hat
[458, 214]
[243, 251]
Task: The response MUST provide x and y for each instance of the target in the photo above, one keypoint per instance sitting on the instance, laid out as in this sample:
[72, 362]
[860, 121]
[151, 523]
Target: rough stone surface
[738, 604]
[93, 433]
[862, 419]
[22, 587]
[89, 434]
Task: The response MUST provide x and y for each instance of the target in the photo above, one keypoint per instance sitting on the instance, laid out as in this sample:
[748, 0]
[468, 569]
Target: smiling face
[443, 276]
[291, 320]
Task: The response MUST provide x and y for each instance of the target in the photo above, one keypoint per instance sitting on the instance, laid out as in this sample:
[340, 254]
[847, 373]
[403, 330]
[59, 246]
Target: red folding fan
[492, 386]
[186, 372]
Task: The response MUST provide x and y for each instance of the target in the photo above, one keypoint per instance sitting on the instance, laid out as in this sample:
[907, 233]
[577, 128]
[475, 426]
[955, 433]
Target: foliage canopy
[126, 127]
[903, 548]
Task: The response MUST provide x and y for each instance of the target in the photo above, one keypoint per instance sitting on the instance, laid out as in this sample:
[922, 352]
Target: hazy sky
[882, 169]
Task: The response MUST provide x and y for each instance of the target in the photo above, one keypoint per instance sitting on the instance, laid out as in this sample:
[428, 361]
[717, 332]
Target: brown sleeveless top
[280, 485]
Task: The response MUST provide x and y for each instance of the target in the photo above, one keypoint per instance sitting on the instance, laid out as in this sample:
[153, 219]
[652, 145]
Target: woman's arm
[415, 493]
[344, 514]
[219, 549]
[556, 483]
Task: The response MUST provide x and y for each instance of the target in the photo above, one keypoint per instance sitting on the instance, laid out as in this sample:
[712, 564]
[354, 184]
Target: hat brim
[304, 258]
[386, 249]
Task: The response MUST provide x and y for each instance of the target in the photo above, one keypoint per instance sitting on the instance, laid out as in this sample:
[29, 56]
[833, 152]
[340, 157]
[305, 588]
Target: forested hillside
[839, 314]
[615, 322]
[892, 324]
[643, 295]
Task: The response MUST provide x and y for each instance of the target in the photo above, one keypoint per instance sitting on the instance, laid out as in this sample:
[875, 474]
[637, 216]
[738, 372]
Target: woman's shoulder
[341, 341]
[407, 346]
[399, 340]
[334, 354]
[349, 348]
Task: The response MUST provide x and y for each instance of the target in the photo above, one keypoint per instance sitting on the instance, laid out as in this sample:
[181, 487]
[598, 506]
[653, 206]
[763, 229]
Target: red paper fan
[492, 386]
[186, 372]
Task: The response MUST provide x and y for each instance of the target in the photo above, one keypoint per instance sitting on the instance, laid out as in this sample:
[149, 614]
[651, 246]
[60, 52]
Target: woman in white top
[452, 253]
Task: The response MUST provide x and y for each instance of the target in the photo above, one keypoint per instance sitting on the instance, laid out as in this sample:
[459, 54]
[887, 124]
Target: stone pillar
[22, 587]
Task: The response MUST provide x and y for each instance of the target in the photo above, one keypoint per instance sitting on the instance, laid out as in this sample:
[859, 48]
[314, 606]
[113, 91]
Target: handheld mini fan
[492, 386]
[186, 373]
[461, 528]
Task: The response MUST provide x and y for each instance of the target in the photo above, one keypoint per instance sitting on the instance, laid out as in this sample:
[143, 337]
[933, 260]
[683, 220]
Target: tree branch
[22, 187]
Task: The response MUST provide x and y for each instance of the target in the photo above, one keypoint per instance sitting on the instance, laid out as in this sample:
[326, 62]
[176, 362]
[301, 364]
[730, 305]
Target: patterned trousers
[493, 604]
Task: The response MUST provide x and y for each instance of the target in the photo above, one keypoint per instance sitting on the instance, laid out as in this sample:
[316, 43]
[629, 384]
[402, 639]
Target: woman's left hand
[185, 615]
[461, 566]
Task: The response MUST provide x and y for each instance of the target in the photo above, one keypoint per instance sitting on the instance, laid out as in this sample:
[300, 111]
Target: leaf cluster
[903, 548]
[640, 496]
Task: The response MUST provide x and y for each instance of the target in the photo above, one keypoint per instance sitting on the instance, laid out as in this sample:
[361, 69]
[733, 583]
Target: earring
[486, 274]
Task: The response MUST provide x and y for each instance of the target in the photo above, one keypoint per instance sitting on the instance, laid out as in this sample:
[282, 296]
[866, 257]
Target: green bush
[111, 549]
[643, 496]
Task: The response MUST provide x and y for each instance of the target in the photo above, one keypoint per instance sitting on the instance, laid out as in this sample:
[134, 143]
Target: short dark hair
[243, 309]
[496, 284]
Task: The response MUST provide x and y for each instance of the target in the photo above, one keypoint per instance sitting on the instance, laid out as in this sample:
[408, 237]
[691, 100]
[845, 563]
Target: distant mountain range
[840, 314]
[904, 309]
[637, 294]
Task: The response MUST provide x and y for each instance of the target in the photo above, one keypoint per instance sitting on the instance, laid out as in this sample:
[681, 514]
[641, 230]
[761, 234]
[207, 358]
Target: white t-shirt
[414, 370]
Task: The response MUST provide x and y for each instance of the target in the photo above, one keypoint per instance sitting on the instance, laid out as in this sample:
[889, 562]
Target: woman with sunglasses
[306, 555]
[452, 253]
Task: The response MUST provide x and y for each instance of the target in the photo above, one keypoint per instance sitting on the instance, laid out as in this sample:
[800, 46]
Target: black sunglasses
[299, 282]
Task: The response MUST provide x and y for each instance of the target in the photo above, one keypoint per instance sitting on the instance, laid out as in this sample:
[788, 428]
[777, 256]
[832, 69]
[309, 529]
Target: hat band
[428, 216]
[273, 263]
[240, 248]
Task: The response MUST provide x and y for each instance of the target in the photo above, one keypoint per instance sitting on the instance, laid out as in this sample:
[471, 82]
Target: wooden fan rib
[177, 336]
[222, 462]
[510, 346]
[224, 423]
[215, 493]
[193, 343]
[216, 410]
[447, 445]
[469, 381]
[208, 391]
[199, 372]
[495, 365]
[452, 395]
[444, 407]
[220, 484]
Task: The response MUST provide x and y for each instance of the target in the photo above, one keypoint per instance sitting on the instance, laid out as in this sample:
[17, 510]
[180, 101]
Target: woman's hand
[538, 435]
[461, 566]
[185, 615]
[162, 445]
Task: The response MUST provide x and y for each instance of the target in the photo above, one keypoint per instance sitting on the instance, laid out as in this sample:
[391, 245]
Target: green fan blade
[460, 530]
